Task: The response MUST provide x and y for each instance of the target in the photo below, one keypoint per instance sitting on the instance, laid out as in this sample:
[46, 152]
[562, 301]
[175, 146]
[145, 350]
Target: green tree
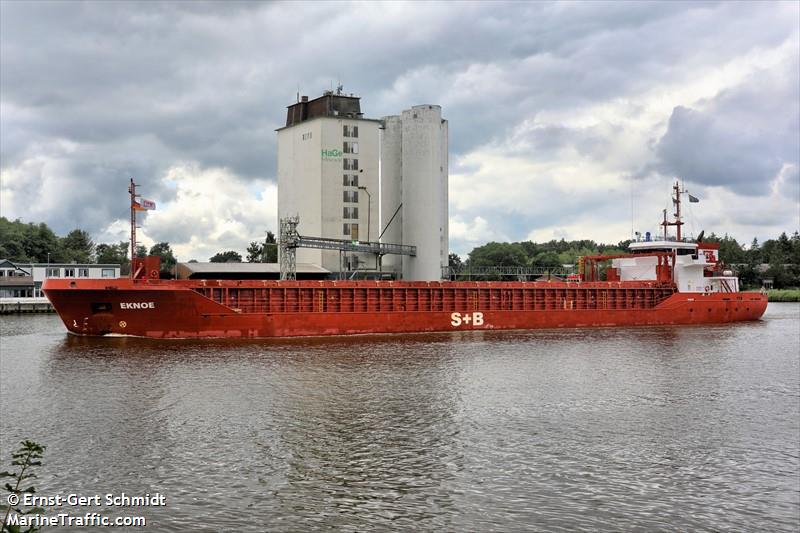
[141, 250]
[112, 253]
[794, 254]
[39, 243]
[498, 254]
[27, 456]
[255, 252]
[547, 260]
[168, 261]
[454, 261]
[12, 240]
[77, 246]
[227, 257]
[270, 248]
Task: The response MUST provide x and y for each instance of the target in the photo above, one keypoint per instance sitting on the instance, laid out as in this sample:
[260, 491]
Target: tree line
[36, 243]
[776, 259]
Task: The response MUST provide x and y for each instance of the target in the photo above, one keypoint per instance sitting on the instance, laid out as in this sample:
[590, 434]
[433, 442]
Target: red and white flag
[144, 205]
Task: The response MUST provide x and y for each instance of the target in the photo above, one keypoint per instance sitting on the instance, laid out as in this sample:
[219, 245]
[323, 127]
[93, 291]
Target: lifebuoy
[708, 288]
[154, 273]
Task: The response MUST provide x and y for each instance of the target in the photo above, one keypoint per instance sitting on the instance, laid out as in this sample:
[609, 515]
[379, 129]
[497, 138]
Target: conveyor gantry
[291, 240]
[345, 245]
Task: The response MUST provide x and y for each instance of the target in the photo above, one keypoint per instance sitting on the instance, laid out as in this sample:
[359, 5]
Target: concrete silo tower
[414, 159]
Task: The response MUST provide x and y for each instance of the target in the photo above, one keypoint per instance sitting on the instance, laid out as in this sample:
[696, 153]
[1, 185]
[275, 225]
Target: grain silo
[418, 141]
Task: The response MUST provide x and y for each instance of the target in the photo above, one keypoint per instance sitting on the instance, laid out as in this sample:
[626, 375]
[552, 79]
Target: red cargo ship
[661, 282]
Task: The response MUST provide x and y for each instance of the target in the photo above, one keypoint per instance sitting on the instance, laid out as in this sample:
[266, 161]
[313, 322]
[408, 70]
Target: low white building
[24, 280]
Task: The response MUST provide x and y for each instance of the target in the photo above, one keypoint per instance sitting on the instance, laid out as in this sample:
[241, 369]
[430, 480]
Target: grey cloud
[141, 86]
[741, 139]
[543, 142]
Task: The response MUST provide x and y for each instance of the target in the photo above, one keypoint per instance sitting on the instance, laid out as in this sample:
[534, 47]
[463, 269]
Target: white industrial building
[24, 280]
[350, 177]
[328, 164]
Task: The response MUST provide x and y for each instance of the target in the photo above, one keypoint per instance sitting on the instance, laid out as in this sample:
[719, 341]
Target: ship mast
[132, 190]
[677, 201]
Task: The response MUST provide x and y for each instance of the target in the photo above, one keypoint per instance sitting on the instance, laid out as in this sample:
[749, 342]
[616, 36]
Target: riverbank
[783, 295]
[25, 305]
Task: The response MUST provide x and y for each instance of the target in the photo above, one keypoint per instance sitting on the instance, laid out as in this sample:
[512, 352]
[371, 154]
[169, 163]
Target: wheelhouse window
[107, 273]
[83, 272]
[53, 272]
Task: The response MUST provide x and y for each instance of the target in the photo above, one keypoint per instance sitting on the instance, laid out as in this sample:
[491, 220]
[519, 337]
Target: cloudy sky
[566, 119]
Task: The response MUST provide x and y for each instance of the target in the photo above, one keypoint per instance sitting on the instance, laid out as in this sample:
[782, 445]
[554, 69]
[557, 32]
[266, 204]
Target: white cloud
[213, 211]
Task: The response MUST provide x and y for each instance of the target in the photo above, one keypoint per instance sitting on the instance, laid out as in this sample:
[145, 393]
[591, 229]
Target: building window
[350, 212]
[350, 164]
[350, 230]
[3, 272]
[83, 272]
[53, 273]
[107, 273]
[350, 180]
[306, 136]
[69, 272]
[350, 196]
[350, 131]
[350, 147]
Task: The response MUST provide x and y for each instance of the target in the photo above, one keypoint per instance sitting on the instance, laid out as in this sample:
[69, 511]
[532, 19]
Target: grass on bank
[783, 295]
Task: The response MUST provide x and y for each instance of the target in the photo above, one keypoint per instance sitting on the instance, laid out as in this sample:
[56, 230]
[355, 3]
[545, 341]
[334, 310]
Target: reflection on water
[605, 429]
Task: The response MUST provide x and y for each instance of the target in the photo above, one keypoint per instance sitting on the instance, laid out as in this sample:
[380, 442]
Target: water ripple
[604, 430]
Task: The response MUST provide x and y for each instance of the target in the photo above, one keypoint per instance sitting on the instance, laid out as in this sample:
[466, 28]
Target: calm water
[613, 429]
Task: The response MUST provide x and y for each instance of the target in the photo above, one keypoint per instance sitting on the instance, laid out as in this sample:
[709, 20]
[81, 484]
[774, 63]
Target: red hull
[254, 309]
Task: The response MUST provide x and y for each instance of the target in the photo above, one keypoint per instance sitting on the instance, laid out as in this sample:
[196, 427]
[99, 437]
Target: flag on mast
[143, 205]
[693, 199]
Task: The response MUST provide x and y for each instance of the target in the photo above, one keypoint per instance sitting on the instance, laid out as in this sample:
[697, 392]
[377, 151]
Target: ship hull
[256, 309]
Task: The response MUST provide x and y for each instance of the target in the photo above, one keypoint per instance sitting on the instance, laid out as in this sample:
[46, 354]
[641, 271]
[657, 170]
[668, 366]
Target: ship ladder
[321, 302]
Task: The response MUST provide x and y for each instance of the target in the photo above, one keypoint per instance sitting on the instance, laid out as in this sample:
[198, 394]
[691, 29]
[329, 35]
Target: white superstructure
[691, 263]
